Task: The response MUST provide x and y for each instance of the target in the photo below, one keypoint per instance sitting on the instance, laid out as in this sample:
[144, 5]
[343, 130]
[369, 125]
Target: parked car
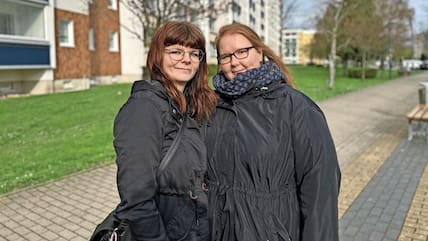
[411, 64]
[424, 65]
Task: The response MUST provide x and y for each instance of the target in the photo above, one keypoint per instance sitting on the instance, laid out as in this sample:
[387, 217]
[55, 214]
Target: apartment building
[87, 43]
[264, 16]
[27, 46]
[296, 46]
[50, 46]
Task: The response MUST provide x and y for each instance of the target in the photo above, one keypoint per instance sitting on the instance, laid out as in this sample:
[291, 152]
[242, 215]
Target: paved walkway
[384, 184]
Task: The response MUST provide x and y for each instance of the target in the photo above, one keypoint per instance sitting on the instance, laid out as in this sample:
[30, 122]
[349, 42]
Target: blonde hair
[256, 41]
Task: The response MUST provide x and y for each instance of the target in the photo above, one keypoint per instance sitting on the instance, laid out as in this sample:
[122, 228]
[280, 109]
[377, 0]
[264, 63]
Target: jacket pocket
[280, 233]
[179, 225]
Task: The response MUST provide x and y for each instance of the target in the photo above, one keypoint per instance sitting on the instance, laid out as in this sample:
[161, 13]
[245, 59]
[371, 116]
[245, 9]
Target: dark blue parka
[273, 168]
[159, 207]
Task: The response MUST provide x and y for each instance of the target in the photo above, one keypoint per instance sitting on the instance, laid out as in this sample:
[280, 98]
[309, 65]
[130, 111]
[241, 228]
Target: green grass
[46, 137]
[313, 82]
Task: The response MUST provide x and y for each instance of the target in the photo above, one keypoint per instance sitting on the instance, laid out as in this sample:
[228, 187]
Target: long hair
[256, 41]
[201, 99]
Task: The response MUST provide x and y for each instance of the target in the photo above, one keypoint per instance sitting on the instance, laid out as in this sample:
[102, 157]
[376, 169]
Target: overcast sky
[421, 13]
[308, 9]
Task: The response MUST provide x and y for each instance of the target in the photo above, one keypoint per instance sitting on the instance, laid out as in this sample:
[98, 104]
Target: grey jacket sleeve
[138, 137]
[317, 175]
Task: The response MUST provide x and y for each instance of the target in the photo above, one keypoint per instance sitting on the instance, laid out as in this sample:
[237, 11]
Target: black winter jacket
[159, 207]
[273, 169]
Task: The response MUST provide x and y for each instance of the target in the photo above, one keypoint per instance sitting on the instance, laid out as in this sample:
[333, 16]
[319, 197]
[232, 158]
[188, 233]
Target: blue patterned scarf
[243, 82]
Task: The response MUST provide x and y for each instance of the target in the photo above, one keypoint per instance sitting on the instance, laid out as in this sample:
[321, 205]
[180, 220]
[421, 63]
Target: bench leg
[426, 131]
[410, 131]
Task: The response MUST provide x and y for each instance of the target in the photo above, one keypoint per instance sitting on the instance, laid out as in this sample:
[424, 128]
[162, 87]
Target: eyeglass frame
[229, 56]
[183, 53]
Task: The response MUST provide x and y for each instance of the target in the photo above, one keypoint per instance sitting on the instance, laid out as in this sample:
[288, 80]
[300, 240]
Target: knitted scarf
[252, 78]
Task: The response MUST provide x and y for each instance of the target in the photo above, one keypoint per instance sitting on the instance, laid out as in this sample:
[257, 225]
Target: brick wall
[73, 62]
[79, 61]
[104, 20]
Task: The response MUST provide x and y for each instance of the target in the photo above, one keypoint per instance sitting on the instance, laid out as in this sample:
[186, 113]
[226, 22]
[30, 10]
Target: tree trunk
[363, 66]
[345, 66]
[331, 62]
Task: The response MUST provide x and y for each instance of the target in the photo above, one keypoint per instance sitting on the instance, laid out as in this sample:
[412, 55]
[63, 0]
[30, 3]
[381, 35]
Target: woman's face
[180, 64]
[233, 58]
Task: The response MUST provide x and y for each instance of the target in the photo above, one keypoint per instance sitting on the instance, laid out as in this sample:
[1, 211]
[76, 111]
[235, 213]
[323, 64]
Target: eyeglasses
[239, 54]
[178, 54]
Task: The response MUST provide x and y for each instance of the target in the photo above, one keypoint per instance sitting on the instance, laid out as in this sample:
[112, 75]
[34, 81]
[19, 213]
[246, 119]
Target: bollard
[421, 92]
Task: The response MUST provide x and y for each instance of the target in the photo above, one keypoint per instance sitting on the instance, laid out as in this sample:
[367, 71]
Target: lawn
[46, 137]
[313, 82]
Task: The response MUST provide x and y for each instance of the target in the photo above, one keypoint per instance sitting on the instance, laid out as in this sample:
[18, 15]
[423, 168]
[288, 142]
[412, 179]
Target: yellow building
[296, 46]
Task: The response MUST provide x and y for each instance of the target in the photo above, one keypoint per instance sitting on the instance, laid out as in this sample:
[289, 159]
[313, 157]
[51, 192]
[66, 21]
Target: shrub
[358, 73]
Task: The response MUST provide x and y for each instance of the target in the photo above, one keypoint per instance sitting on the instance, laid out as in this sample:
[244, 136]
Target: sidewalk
[384, 177]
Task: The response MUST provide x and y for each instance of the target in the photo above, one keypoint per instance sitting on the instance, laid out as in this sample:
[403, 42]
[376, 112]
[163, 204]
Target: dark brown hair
[256, 41]
[201, 98]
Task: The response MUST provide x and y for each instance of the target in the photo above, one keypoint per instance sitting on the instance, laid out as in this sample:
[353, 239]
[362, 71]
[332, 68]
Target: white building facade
[27, 46]
[131, 47]
[296, 46]
[264, 16]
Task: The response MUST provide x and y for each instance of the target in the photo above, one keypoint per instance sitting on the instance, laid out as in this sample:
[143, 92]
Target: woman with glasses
[171, 205]
[273, 171]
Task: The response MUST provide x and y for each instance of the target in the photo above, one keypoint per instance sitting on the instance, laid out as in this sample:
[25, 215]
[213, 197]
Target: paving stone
[351, 231]
[376, 236]
[381, 226]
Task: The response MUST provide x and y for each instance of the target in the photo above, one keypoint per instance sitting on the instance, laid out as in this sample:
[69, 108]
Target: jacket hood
[149, 85]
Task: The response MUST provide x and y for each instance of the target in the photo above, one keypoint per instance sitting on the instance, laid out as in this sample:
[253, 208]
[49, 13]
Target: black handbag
[114, 229]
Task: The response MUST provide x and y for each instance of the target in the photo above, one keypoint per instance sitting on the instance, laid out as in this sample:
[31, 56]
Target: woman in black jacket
[172, 205]
[272, 166]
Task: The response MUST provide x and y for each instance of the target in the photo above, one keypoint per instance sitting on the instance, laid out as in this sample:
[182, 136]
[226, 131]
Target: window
[66, 35]
[112, 4]
[252, 21]
[236, 9]
[6, 24]
[91, 39]
[113, 42]
[23, 20]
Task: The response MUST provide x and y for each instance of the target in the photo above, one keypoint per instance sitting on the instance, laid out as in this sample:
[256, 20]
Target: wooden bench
[418, 121]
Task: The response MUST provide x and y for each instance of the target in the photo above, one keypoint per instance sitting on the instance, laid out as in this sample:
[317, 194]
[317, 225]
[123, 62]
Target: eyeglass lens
[239, 54]
[178, 54]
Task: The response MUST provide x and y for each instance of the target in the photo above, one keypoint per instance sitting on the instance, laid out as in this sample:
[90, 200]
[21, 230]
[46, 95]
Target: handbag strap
[167, 158]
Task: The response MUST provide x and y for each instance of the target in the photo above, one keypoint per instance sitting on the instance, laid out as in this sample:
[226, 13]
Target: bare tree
[289, 7]
[153, 13]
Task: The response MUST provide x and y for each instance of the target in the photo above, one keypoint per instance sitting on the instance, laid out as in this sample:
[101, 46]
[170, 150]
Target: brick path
[67, 209]
[368, 128]
[357, 175]
[379, 211]
[416, 224]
